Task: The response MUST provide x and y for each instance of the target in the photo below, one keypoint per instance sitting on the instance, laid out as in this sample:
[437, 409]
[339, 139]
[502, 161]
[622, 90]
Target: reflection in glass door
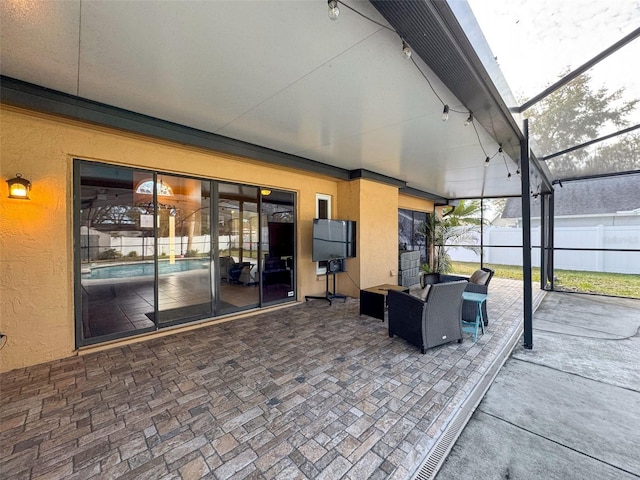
[145, 256]
[115, 252]
[278, 246]
[184, 249]
[238, 241]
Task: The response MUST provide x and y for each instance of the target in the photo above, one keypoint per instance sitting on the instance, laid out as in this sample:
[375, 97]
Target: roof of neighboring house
[586, 197]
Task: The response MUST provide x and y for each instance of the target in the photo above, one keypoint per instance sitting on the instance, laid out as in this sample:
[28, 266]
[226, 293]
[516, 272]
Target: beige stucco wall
[36, 236]
[414, 203]
[36, 251]
[375, 207]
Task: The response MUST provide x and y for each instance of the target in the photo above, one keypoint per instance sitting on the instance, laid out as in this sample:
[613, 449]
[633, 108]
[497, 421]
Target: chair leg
[423, 350]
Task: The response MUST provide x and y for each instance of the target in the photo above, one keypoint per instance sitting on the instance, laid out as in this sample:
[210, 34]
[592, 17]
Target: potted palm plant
[453, 227]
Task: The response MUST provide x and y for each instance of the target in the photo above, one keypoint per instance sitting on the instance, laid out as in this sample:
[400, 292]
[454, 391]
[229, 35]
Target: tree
[623, 155]
[453, 227]
[575, 114]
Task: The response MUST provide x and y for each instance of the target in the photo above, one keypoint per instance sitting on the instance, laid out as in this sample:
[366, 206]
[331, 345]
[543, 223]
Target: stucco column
[374, 206]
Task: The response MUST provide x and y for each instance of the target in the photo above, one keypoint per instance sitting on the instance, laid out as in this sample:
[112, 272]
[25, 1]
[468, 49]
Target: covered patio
[350, 120]
[325, 394]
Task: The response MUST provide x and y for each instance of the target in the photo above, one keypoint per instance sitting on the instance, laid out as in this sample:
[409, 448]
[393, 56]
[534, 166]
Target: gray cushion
[419, 292]
[479, 277]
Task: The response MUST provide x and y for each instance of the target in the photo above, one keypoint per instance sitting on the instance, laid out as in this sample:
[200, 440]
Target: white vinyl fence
[621, 237]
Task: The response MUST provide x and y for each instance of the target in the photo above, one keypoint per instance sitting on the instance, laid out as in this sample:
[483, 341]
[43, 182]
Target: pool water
[142, 269]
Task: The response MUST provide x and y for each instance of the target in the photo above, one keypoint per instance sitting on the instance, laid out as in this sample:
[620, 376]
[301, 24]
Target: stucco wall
[375, 207]
[36, 251]
[379, 219]
[413, 203]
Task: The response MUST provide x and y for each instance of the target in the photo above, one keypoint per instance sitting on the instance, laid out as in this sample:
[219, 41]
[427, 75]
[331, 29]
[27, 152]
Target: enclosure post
[526, 238]
[543, 240]
[552, 219]
[482, 233]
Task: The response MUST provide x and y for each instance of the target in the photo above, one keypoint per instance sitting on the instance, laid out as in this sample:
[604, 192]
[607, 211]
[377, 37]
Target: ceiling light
[265, 192]
[406, 51]
[334, 11]
[445, 113]
[468, 120]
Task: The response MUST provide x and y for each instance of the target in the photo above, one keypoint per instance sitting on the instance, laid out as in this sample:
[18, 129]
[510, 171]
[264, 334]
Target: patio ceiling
[281, 75]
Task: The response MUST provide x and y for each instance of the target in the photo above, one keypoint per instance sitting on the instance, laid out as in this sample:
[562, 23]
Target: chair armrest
[452, 278]
[405, 314]
[402, 301]
[475, 288]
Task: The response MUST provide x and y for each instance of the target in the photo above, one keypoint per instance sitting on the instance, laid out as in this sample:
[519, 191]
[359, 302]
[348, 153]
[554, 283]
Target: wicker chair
[429, 323]
[469, 309]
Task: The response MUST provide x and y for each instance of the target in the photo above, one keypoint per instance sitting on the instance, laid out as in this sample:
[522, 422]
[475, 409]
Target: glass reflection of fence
[144, 247]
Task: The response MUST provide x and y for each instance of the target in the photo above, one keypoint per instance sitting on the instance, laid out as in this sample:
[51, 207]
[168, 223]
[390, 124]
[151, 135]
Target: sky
[536, 41]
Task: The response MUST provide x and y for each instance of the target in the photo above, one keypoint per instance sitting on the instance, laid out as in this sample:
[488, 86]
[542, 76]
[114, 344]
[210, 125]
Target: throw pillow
[415, 291]
[479, 277]
[425, 293]
[419, 292]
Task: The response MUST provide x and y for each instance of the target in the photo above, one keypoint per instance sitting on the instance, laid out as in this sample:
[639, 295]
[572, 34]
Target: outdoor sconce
[19, 187]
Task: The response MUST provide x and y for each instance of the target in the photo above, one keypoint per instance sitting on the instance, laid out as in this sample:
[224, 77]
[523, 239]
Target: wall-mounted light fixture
[265, 191]
[19, 187]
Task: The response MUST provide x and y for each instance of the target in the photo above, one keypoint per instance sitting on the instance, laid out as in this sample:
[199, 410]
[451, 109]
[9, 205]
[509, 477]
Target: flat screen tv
[333, 239]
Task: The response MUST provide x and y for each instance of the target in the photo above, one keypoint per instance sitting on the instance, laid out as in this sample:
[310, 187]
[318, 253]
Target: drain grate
[436, 455]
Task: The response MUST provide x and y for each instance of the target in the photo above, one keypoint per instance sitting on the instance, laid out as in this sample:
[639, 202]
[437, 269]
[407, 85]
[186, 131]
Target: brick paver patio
[310, 391]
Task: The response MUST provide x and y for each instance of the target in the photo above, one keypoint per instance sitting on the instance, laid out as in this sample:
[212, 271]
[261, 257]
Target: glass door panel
[144, 256]
[184, 249]
[116, 253]
[238, 236]
[278, 246]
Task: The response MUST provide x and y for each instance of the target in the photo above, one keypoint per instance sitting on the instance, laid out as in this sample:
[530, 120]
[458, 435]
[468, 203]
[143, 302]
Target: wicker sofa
[478, 283]
[430, 322]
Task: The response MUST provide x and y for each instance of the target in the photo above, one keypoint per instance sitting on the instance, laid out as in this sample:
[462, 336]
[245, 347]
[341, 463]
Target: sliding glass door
[154, 250]
[238, 234]
[184, 249]
[278, 245]
[115, 252]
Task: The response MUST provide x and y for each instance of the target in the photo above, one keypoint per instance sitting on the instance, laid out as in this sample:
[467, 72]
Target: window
[323, 210]
[412, 232]
[146, 188]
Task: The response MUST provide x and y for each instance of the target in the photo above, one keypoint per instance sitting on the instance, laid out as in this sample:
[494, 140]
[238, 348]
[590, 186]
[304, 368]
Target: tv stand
[328, 296]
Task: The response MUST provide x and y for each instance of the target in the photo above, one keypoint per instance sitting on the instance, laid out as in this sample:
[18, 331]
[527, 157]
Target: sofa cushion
[419, 292]
[479, 277]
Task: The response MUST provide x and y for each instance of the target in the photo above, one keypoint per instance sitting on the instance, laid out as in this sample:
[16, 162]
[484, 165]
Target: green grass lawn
[618, 284]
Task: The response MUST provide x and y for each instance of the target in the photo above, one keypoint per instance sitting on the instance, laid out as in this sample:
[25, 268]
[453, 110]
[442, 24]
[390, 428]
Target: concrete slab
[599, 420]
[491, 449]
[594, 337]
[569, 408]
[588, 315]
[614, 362]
